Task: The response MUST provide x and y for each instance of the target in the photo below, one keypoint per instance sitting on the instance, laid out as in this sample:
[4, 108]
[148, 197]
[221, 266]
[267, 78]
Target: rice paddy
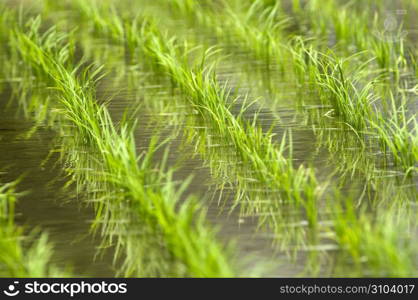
[211, 138]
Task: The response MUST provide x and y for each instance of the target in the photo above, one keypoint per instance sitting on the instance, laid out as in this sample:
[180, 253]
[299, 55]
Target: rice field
[182, 138]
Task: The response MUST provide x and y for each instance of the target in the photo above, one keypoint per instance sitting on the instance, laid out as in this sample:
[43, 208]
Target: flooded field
[208, 138]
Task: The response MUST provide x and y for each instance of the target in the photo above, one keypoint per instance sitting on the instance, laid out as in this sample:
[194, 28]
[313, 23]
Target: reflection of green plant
[325, 19]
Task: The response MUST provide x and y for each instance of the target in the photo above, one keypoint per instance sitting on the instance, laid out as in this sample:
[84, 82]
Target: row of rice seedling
[263, 177]
[22, 254]
[368, 220]
[374, 244]
[275, 51]
[396, 130]
[289, 231]
[137, 203]
[387, 45]
[262, 170]
[397, 134]
[245, 24]
[353, 105]
[355, 230]
[264, 27]
[330, 23]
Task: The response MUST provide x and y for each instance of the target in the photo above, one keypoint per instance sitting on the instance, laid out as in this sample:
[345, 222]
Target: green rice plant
[414, 67]
[373, 230]
[373, 245]
[113, 25]
[382, 49]
[4, 22]
[353, 112]
[119, 177]
[356, 164]
[261, 165]
[398, 135]
[22, 254]
[329, 74]
[328, 23]
[211, 102]
[355, 105]
[258, 29]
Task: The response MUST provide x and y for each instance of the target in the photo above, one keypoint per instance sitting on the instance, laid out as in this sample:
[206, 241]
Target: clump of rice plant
[373, 245]
[353, 101]
[255, 27]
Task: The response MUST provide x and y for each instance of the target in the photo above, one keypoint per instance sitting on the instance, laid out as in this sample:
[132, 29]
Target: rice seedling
[22, 254]
[263, 25]
[152, 196]
[356, 227]
[250, 151]
[355, 113]
[252, 147]
[254, 26]
[355, 105]
[399, 135]
[329, 19]
[358, 233]
[390, 55]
